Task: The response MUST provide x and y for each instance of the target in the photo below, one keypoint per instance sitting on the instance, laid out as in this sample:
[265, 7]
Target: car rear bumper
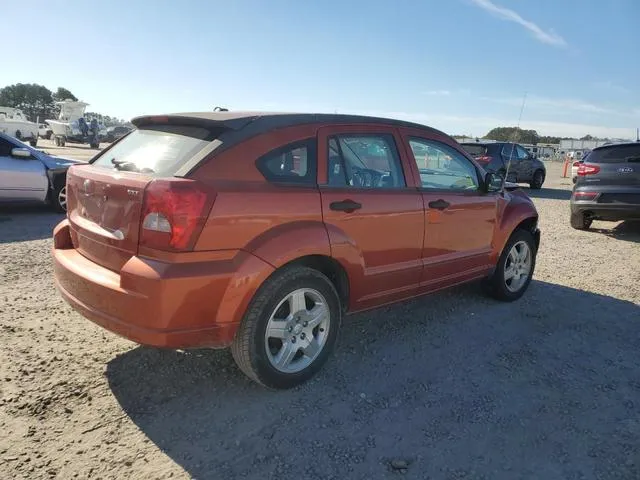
[175, 305]
[609, 212]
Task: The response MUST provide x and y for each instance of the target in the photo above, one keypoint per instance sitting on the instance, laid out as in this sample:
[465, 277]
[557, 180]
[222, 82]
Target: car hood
[52, 162]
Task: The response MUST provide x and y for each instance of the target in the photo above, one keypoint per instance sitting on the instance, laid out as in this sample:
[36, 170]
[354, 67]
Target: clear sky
[459, 65]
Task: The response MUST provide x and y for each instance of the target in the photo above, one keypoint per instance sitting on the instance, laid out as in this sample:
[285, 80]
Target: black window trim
[312, 168]
[357, 133]
[479, 179]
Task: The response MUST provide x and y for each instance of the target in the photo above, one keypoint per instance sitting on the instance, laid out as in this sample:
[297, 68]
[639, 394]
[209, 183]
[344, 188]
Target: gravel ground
[451, 386]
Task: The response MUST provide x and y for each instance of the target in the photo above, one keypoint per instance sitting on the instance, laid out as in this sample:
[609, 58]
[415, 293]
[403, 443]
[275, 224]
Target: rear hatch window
[615, 154]
[475, 150]
[157, 150]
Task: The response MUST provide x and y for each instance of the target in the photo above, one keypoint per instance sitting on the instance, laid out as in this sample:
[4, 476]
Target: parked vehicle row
[28, 175]
[260, 231]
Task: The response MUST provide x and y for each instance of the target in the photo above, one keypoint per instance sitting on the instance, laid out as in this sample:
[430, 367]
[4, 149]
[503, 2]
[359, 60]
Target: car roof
[265, 121]
[484, 144]
[613, 145]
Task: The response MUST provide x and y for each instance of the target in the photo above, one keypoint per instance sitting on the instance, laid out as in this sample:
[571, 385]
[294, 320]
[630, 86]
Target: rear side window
[294, 163]
[475, 150]
[158, 150]
[509, 151]
[617, 154]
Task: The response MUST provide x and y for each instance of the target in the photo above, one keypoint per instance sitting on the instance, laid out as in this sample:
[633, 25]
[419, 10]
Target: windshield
[157, 150]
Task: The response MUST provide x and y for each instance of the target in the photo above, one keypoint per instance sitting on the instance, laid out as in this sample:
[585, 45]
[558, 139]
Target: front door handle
[439, 204]
[345, 206]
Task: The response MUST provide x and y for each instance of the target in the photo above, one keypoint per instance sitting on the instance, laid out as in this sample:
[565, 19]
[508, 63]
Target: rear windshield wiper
[124, 165]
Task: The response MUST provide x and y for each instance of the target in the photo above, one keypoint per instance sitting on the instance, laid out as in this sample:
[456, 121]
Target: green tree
[64, 94]
[513, 134]
[36, 101]
[589, 137]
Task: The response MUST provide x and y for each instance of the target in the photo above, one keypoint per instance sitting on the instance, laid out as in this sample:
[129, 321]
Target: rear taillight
[484, 159]
[585, 195]
[173, 214]
[585, 169]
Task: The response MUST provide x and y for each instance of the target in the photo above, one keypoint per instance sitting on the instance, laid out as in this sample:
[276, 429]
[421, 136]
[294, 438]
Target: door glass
[364, 161]
[442, 167]
[522, 153]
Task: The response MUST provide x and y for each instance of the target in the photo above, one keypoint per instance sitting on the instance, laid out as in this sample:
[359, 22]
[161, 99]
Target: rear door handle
[345, 206]
[439, 204]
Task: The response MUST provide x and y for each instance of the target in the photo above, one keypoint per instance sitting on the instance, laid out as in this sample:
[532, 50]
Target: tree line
[38, 102]
[516, 134]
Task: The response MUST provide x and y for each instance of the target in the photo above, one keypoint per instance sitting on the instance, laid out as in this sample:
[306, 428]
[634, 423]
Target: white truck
[14, 123]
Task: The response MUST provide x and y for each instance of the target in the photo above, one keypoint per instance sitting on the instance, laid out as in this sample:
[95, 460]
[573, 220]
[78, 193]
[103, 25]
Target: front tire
[34, 142]
[515, 268]
[290, 328]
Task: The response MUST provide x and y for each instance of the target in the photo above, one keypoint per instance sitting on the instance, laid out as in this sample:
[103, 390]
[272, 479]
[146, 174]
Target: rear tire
[18, 134]
[537, 180]
[515, 268]
[289, 329]
[34, 142]
[580, 222]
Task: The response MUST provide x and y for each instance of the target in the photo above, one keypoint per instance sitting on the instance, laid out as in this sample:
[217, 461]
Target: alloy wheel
[62, 198]
[297, 330]
[517, 268]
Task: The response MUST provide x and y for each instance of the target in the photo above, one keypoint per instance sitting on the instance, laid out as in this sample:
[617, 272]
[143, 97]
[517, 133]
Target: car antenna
[513, 147]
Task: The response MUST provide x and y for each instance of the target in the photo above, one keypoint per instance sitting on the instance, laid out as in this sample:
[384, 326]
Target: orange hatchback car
[260, 231]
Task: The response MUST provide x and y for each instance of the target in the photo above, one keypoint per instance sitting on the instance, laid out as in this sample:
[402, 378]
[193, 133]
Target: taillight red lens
[585, 195]
[585, 169]
[483, 159]
[173, 213]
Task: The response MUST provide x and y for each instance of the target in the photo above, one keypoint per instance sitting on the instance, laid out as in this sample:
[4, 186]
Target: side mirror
[21, 153]
[493, 182]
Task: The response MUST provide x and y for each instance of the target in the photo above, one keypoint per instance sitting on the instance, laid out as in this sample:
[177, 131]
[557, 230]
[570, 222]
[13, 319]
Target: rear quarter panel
[276, 222]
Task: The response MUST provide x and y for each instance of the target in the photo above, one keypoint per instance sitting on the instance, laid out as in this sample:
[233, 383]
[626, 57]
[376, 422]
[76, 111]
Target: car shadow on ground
[549, 193]
[628, 231]
[453, 384]
[35, 223]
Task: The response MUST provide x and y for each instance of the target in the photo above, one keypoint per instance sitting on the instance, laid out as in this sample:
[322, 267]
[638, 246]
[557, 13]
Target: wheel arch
[330, 268]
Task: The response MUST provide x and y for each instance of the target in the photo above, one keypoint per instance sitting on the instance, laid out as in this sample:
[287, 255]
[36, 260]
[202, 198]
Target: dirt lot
[451, 386]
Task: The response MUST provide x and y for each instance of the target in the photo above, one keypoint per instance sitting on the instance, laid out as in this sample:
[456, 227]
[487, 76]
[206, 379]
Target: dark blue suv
[495, 156]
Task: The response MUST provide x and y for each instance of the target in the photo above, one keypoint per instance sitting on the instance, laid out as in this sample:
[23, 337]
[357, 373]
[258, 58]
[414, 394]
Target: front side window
[294, 163]
[442, 167]
[364, 161]
[522, 153]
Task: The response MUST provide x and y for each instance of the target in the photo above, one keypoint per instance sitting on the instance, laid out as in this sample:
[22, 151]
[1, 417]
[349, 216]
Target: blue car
[28, 175]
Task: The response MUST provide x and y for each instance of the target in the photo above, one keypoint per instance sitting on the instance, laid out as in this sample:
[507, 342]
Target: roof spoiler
[222, 120]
